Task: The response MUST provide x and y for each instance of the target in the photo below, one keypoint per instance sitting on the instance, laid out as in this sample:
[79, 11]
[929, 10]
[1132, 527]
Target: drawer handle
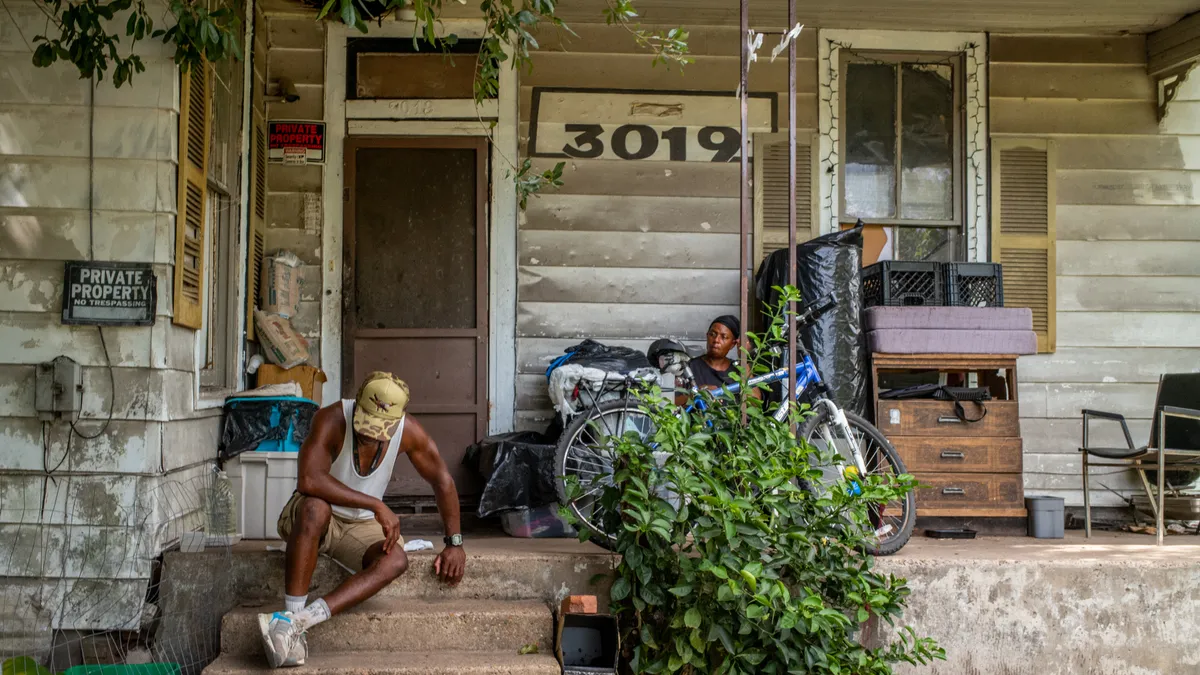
[953, 454]
[949, 419]
[953, 491]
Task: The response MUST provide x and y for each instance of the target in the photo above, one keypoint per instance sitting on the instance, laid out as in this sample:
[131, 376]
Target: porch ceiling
[1012, 16]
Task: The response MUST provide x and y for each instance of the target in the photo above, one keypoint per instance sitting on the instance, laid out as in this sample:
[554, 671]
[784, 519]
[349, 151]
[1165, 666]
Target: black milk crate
[974, 284]
[903, 284]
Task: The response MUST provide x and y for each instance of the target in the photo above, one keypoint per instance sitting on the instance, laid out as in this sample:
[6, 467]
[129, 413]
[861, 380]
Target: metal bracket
[1167, 84]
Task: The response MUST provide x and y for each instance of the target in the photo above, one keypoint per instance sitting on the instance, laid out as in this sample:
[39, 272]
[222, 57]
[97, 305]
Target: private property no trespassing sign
[296, 142]
[109, 294]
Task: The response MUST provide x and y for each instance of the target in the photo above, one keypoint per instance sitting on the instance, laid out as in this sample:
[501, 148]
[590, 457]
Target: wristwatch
[453, 540]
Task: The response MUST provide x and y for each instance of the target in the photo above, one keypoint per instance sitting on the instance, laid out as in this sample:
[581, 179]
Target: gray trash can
[1046, 517]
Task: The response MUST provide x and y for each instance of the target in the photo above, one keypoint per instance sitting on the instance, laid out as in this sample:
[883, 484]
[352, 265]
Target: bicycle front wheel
[892, 521]
[585, 457]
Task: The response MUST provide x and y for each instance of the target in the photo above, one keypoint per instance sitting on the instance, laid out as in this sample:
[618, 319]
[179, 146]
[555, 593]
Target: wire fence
[85, 588]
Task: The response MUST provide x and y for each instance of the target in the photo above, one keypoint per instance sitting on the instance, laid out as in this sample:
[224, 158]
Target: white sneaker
[283, 639]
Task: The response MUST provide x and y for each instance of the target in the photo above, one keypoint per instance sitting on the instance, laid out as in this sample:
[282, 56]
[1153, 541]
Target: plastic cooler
[263, 482]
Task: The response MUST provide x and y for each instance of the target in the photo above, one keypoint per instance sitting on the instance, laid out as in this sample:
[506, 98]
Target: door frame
[431, 118]
[349, 333]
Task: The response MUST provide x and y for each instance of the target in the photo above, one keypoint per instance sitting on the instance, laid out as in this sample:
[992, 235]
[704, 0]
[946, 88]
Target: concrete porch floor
[1116, 604]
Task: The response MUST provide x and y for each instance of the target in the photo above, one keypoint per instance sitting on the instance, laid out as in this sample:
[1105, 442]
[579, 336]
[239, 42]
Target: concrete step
[387, 663]
[409, 625]
[498, 568]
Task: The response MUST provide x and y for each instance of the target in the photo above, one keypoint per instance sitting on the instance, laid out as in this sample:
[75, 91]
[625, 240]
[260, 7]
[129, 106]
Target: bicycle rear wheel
[586, 454]
[893, 521]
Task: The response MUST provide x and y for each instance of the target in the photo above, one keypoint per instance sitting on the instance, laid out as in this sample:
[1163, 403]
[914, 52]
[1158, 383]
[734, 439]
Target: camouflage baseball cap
[380, 406]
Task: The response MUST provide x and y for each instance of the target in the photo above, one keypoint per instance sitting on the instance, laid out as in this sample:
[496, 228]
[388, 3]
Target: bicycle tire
[562, 456]
[894, 541]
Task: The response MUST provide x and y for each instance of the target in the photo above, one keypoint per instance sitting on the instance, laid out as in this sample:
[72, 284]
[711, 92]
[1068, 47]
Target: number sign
[636, 125]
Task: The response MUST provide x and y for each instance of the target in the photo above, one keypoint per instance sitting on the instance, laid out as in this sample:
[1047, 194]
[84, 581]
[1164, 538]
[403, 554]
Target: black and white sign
[685, 126]
[109, 294]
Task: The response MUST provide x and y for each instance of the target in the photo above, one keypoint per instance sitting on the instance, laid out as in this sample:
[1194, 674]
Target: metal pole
[744, 191]
[791, 309]
[1160, 517]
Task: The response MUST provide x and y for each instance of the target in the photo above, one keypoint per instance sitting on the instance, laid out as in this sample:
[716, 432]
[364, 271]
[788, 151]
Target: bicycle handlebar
[811, 312]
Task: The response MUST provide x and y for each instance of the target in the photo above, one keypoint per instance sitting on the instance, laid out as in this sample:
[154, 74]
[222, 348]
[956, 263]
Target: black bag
[518, 469]
[976, 395]
[828, 264]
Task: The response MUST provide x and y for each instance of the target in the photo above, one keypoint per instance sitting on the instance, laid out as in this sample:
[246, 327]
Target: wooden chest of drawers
[970, 469]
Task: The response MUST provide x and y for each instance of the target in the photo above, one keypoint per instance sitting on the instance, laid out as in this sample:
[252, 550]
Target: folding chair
[1179, 400]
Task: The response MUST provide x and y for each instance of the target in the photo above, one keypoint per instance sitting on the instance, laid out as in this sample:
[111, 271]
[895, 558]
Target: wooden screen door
[415, 286]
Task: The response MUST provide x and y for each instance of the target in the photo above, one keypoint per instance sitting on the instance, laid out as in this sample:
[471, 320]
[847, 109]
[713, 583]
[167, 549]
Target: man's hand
[450, 564]
[391, 526]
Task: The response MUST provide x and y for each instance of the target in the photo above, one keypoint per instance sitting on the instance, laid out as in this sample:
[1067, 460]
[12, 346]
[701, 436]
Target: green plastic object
[138, 669]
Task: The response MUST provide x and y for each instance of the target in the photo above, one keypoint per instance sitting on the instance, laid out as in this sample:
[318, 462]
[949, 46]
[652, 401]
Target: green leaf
[620, 589]
[697, 642]
[692, 618]
[719, 632]
[681, 591]
[750, 580]
[23, 665]
[755, 612]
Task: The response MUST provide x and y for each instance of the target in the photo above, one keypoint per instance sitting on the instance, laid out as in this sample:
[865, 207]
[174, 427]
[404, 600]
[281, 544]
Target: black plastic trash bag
[828, 264]
[275, 423]
[519, 470]
[592, 354]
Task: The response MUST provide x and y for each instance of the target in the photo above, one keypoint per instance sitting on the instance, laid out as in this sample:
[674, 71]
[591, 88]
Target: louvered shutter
[1023, 232]
[771, 191]
[194, 102]
[258, 217]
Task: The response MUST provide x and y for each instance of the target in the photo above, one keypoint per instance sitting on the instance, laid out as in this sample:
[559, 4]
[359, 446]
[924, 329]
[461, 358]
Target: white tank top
[344, 467]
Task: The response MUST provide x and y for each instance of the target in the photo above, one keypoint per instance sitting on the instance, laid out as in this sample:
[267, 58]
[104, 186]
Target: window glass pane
[870, 147]
[927, 141]
[935, 244]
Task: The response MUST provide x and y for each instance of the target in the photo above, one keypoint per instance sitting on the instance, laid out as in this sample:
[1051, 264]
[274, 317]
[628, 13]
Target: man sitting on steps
[344, 467]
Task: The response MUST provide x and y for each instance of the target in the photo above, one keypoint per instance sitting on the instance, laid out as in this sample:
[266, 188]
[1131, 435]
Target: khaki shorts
[346, 541]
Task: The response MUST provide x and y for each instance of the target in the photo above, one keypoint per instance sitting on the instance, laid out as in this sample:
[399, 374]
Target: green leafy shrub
[748, 569]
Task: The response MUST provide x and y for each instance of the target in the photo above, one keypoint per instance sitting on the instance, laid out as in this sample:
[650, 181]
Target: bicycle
[583, 457]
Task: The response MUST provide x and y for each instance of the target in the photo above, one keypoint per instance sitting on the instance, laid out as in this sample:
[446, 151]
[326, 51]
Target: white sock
[314, 614]
[295, 603]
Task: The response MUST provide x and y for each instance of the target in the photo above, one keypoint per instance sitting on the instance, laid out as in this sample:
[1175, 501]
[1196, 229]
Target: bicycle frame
[807, 376]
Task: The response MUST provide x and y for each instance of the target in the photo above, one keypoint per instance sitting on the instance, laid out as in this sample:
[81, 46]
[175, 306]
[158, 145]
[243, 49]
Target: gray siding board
[628, 249]
[627, 285]
[579, 320]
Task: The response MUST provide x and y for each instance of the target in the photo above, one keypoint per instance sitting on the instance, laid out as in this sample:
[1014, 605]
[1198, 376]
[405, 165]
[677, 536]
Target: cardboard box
[282, 279]
[281, 343]
[310, 378]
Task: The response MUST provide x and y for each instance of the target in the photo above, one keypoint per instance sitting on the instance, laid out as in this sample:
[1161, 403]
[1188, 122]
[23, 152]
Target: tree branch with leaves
[84, 35]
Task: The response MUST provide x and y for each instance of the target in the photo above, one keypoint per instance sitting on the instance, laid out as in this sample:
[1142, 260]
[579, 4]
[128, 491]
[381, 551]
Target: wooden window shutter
[771, 191]
[258, 218]
[194, 104]
[1023, 231]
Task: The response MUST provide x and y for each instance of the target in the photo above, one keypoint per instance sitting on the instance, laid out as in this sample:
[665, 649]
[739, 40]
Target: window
[219, 338]
[902, 150]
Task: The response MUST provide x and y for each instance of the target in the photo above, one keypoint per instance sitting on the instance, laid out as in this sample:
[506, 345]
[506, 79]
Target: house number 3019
[640, 141]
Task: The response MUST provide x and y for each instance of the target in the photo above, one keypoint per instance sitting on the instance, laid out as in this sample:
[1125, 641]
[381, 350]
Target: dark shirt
[707, 376]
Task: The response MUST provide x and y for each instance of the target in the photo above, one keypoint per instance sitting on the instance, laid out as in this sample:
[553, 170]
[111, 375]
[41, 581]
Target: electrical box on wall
[57, 387]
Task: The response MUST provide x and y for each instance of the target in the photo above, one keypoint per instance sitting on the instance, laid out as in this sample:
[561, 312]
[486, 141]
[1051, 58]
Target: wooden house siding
[1128, 244]
[630, 251]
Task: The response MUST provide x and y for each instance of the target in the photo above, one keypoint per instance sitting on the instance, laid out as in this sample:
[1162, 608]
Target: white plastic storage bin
[263, 483]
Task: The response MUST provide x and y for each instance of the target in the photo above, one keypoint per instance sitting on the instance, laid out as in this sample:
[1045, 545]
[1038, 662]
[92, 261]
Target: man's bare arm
[450, 564]
[426, 459]
[316, 457]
